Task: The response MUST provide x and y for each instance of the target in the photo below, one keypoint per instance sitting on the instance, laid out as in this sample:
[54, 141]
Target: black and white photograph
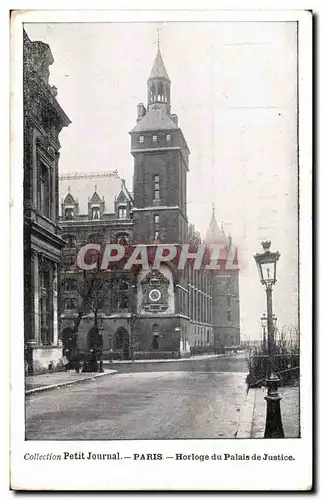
[162, 204]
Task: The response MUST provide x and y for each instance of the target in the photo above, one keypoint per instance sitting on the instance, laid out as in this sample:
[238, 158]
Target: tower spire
[159, 83]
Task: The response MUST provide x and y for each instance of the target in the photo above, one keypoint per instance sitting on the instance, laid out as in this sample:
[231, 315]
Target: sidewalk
[252, 424]
[47, 381]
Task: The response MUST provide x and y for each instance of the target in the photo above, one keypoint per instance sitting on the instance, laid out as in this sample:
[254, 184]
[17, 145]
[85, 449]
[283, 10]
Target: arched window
[95, 238]
[122, 239]
[160, 92]
[153, 92]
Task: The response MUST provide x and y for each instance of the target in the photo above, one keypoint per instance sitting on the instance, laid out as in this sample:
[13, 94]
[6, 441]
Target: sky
[234, 89]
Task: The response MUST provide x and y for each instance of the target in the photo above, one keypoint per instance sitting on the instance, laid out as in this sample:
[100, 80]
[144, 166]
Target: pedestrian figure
[126, 349]
[70, 349]
[94, 362]
[99, 350]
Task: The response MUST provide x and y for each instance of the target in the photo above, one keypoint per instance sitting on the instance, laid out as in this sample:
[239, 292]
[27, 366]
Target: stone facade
[43, 121]
[149, 313]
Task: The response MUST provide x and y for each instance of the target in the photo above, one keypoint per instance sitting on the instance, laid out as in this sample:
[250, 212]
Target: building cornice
[89, 175]
[36, 228]
[155, 150]
[156, 208]
[161, 150]
[46, 90]
[89, 222]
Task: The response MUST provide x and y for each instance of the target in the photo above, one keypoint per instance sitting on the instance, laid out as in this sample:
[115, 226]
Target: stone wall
[46, 359]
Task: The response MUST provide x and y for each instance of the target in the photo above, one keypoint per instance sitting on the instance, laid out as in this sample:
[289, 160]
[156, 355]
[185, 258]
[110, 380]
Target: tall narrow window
[156, 187]
[229, 315]
[43, 193]
[155, 336]
[122, 212]
[45, 305]
[156, 226]
[154, 138]
[123, 294]
[96, 214]
[141, 138]
[228, 301]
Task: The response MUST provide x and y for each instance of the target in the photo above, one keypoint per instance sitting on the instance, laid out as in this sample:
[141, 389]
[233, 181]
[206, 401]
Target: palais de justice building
[157, 313]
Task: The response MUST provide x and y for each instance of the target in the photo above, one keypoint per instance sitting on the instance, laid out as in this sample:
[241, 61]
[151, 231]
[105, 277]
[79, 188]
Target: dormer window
[69, 213]
[168, 137]
[141, 138]
[154, 138]
[96, 213]
[122, 212]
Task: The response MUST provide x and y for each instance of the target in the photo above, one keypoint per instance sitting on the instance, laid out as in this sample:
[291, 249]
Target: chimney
[174, 118]
[141, 111]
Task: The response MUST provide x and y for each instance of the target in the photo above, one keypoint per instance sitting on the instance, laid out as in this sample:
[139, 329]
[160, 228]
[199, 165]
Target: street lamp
[132, 318]
[264, 326]
[266, 265]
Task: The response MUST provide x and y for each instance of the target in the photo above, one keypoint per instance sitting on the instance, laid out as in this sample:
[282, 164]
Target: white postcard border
[167, 474]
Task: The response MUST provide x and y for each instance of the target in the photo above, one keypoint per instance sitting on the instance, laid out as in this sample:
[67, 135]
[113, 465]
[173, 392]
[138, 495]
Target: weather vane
[158, 37]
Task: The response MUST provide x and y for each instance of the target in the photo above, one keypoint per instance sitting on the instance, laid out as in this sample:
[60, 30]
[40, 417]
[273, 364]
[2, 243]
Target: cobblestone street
[201, 399]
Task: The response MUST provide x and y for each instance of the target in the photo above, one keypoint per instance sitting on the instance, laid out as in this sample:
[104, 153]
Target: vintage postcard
[161, 226]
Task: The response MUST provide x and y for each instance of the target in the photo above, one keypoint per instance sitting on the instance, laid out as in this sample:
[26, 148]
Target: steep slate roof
[69, 200]
[155, 120]
[158, 69]
[82, 187]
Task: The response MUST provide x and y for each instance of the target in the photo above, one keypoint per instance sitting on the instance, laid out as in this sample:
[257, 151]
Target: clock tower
[159, 213]
[160, 166]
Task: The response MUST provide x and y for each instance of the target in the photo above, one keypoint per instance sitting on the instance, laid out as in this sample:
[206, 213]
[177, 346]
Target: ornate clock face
[155, 295]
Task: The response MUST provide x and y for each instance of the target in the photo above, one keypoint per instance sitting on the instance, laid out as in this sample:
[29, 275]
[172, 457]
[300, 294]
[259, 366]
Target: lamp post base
[274, 426]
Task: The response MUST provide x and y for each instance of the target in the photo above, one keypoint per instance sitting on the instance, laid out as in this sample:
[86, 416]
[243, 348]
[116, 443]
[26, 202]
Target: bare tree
[91, 287]
[94, 290]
